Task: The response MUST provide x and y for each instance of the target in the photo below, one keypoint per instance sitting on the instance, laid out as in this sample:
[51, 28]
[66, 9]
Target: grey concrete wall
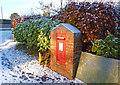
[98, 69]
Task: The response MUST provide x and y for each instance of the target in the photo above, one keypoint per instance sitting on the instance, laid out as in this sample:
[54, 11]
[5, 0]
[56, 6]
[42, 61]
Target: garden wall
[97, 69]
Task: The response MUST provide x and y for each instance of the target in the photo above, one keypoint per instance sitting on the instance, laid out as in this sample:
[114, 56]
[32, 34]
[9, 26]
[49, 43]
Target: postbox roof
[69, 27]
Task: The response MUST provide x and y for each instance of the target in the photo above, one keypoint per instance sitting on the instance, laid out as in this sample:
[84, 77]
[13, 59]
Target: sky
[23, 7]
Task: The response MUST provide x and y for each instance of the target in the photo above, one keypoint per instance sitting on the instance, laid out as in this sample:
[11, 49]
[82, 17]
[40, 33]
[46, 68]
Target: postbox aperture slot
[62, 38]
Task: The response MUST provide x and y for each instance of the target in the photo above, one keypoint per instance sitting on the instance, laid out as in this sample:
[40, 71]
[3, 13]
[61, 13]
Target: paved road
[5, 34]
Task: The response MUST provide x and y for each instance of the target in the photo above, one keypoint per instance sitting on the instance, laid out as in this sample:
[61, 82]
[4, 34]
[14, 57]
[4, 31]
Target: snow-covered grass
[18, 67]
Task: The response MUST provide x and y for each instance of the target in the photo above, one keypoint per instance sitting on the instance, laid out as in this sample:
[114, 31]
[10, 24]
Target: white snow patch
[18, 67]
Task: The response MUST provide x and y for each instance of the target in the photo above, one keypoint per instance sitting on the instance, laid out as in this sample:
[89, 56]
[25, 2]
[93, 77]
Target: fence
[5, 21]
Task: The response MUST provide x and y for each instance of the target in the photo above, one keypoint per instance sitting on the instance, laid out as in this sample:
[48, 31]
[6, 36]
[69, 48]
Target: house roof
[69, 27]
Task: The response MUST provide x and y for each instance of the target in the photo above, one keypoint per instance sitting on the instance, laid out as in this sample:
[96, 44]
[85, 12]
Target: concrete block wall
[97, 69]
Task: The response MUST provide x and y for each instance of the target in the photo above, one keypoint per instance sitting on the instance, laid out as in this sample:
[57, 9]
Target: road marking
[6, 42]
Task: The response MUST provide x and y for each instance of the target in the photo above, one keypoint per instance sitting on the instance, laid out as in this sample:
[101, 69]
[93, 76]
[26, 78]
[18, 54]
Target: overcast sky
[23, 7]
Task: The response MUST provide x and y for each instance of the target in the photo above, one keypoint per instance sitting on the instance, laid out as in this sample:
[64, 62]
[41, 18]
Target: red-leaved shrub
[92, 19]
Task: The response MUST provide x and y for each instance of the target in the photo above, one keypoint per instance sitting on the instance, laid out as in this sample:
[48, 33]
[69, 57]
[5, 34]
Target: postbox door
[60, 48]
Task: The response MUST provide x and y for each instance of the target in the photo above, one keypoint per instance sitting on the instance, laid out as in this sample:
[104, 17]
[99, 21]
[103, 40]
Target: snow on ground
[18, 67]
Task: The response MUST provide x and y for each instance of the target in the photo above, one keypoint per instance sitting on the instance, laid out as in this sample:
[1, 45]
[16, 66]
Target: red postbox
[60, 47]
[65, 47]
